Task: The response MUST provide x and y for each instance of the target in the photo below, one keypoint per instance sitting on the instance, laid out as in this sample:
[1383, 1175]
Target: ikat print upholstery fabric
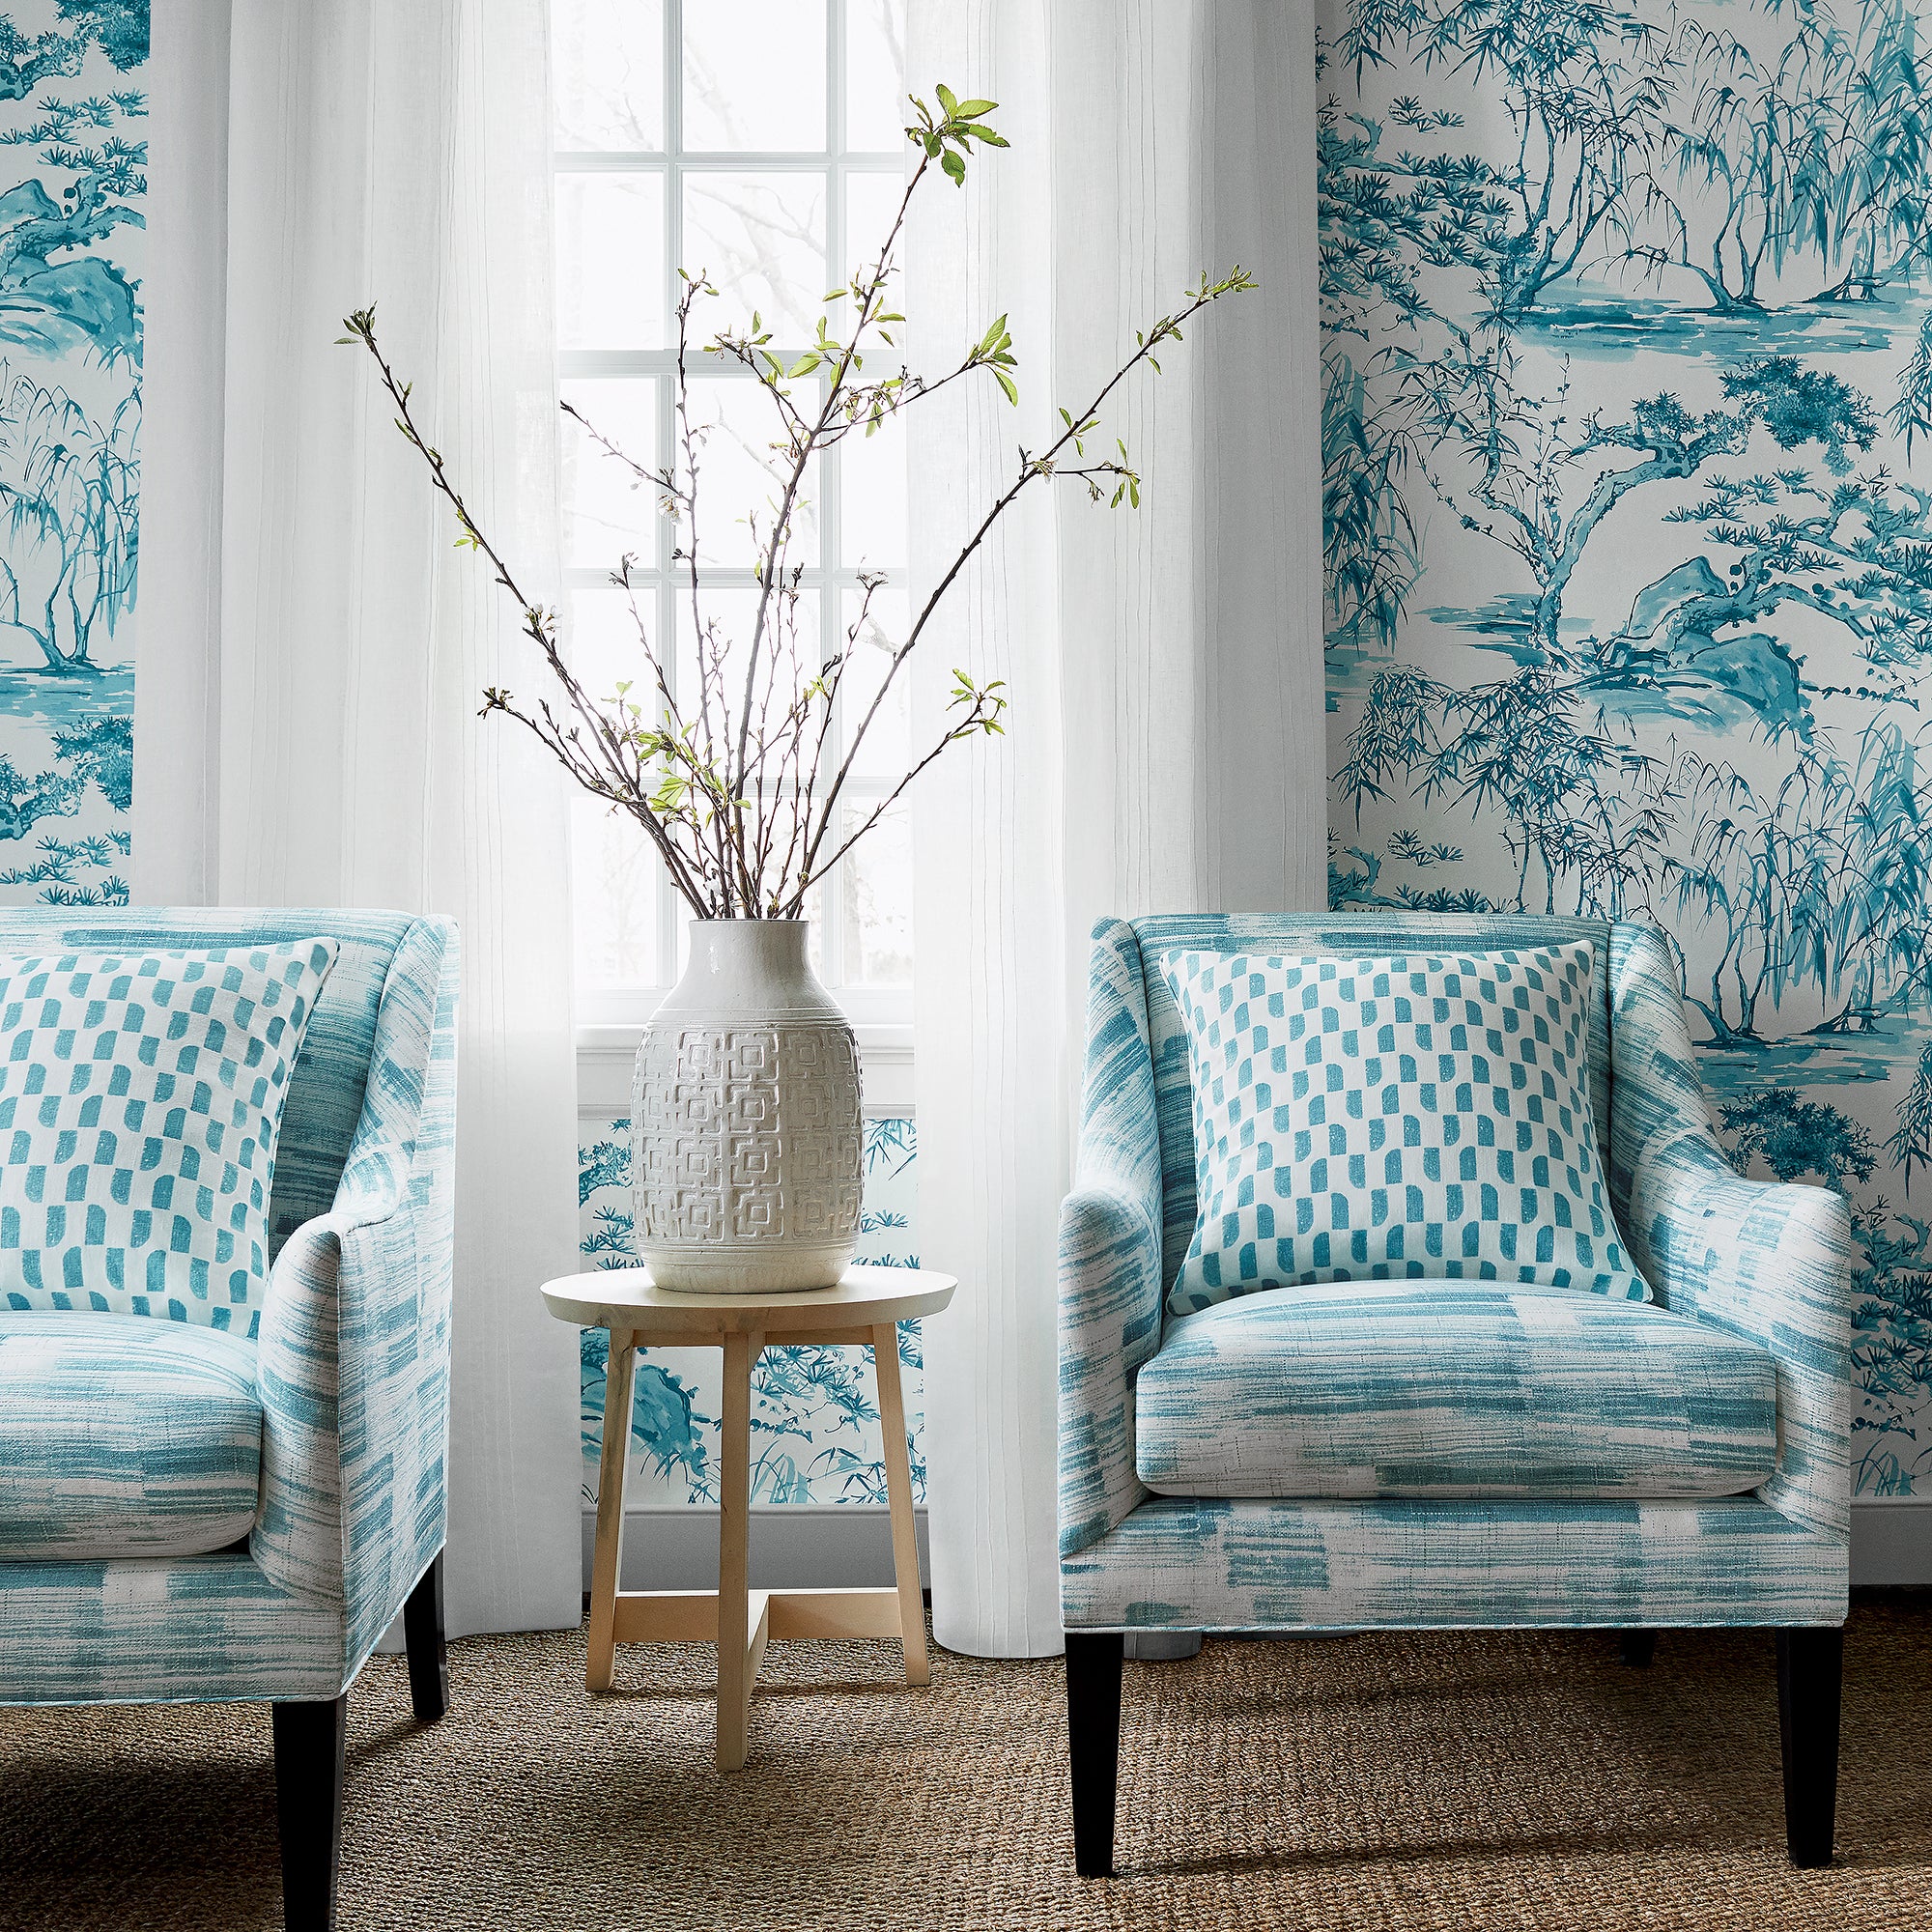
[122, 1436]
[1453, 1389]
[1769, 1264]
[351, 1357]
[1414, 1116]
[141, 1095]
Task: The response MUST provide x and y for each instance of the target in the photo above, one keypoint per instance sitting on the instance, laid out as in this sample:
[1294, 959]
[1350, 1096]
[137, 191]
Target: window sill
[604, 1053]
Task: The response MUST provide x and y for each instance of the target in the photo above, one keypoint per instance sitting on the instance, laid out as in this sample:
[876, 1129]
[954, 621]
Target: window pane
[871, 201]
[872, 496]
[604, 643]
[882, 751]
[613, 878]
[760, 240]
[607, 67]
[754, 75]
[877, 899]
[610, 261]
[876, 109]
[739, 477]
[791, 650]
[608, 509]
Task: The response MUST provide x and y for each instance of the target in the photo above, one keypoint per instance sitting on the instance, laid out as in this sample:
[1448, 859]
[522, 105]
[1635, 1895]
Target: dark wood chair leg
[1094, 1745]
[422, 1637]
[1811, 1670]
[1637, 1647]
[309, 1741]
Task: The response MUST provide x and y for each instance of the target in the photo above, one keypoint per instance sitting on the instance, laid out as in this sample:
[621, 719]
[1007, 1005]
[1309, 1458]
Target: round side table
[866, 1307]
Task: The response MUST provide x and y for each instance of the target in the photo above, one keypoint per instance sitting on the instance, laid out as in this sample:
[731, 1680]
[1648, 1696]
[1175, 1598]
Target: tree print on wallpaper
[814, 1411]
[1627, 444]
[72, 163]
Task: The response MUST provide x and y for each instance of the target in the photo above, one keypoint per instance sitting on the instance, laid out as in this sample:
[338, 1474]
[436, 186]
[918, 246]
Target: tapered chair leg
[1637, 1647]
[1094, 1745]
[1811, 1670]
[309, 1741]
[422, 1637]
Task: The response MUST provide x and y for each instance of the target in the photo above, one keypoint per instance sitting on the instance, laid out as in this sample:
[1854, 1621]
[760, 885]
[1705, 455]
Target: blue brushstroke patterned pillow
[140, 1099]
[1415, 1116]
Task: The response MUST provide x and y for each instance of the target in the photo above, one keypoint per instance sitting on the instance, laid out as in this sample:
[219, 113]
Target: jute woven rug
[1448, 1781]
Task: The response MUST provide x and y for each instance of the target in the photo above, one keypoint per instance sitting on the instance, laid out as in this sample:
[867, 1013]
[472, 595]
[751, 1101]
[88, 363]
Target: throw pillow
[140, 1098]
[1408, 1118]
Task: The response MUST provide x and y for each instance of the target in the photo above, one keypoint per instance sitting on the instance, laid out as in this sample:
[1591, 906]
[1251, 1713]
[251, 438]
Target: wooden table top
[865, 1297]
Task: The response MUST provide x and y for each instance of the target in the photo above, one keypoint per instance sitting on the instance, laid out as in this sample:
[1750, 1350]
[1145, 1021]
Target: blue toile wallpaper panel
[814, 1411]
[1627, 448]
[72, 185]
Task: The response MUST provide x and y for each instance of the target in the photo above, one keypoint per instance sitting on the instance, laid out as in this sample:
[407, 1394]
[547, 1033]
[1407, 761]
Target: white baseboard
[794, 1546]
[1891, 1541]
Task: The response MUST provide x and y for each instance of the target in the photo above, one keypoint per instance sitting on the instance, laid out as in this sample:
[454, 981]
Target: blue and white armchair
[1198, 1459]
[189, 1514]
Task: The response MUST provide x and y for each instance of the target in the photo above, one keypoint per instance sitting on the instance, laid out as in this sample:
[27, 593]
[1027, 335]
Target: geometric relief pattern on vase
[1626, 451]
[748, 1132]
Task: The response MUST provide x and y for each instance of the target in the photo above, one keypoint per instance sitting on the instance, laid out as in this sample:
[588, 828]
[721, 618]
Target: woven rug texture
[1385, 1781]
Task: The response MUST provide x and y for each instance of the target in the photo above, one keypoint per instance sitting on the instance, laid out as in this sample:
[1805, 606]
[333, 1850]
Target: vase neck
[751, 965]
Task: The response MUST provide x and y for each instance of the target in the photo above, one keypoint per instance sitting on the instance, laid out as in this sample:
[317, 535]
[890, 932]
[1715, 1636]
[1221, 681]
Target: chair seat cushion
[1452, 1389]
[123, 1435]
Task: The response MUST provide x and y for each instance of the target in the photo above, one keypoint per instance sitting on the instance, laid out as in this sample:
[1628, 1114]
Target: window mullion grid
[830, 581]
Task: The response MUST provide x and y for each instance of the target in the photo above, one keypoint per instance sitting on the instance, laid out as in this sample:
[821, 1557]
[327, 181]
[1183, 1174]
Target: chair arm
[354, 1351]
[1111, 1278]
[1766, 1261]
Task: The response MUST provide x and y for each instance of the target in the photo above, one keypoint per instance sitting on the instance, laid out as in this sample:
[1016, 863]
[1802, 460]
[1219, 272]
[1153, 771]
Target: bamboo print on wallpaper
[1627, 445]
[73, 182]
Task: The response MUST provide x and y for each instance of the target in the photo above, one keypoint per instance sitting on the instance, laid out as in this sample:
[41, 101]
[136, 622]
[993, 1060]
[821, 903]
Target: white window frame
[611, 1018]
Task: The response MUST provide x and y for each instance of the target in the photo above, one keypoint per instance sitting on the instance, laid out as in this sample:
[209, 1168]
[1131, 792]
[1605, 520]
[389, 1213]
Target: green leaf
[955, 168]
[971, 110]
[805, 365]
[1007, 383]
[947, 99]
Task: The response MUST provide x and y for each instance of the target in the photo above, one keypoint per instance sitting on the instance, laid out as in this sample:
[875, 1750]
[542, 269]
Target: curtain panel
[1164, 748]
[310, 677]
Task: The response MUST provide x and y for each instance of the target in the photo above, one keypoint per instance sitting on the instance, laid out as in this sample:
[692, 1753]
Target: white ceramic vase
[745, 1137]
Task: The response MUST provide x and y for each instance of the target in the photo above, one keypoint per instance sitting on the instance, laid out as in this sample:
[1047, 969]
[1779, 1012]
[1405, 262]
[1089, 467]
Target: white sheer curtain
[313, 647]
[1165, 743]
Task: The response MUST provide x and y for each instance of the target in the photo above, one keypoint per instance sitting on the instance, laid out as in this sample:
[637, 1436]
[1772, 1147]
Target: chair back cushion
[326, 1089]
[1409, 1115]
[1344, 934]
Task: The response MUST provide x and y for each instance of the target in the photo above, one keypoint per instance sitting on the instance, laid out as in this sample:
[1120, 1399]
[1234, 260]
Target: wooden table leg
[618, 1381]
[734, 1512]
[899, 1489]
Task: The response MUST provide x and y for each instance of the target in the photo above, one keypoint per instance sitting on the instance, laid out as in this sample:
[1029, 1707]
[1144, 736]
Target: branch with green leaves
[736, 785]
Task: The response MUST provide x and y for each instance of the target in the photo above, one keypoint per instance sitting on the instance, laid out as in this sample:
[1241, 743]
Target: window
[760, 142]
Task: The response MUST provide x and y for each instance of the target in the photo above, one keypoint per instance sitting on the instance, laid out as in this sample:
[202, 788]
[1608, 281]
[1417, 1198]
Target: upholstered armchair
[189, 1514]
[1198, 1457]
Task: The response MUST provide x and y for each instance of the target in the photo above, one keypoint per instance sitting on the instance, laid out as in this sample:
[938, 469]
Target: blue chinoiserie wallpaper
[72, 160]
[814, 1411]
[1627, 444]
